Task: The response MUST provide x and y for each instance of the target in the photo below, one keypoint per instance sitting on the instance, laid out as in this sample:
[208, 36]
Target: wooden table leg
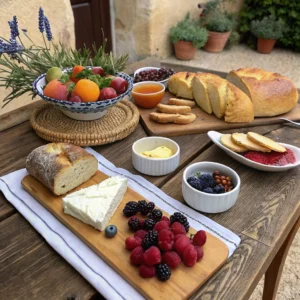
[273, 274]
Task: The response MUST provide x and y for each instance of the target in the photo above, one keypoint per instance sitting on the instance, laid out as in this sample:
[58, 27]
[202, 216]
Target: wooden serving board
[205, 122]
[184, 280]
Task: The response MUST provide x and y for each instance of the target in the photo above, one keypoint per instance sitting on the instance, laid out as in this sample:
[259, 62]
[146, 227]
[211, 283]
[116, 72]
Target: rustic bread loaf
[180, 84]
[200, 90]
[272, 94]
[61, 167]
[239, 107]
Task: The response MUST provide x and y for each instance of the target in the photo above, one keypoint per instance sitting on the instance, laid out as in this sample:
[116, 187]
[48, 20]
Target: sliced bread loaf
[180, 84]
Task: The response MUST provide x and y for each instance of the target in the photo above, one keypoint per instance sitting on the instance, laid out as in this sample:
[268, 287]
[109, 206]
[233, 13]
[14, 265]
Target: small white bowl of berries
[210, 187]
[161, 75]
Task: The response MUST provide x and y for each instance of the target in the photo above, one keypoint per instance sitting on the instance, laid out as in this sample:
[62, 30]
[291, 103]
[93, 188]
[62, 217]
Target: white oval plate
[216, 137]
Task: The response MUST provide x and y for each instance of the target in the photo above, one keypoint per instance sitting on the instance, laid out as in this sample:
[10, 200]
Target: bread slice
[199, 85]
[239, 107]
[180, 84]
[217, 93]
[61, 167]
[172, 118]
[228, 142]
[173, 109]
[242, 139]
[181, 102]
[265, 142]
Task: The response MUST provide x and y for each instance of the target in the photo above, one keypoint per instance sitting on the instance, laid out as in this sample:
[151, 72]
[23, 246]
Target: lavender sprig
[14, 30]
[16, 26]
[41, 20]
[48, 29]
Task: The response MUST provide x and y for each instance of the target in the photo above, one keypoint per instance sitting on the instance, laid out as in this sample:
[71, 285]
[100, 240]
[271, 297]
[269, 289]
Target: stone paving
[286, 63]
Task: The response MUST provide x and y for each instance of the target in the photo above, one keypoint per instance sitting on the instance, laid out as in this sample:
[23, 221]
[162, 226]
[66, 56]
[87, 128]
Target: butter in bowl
[155, 156]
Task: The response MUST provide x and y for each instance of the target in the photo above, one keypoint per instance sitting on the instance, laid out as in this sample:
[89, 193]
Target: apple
[107, 93]
[74, 98]
[98, 70]
[119, 84]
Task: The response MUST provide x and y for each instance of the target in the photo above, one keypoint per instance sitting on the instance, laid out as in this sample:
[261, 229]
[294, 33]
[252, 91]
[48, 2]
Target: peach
[56, 90]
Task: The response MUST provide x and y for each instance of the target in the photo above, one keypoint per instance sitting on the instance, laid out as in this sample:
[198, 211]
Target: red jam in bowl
[272, 158]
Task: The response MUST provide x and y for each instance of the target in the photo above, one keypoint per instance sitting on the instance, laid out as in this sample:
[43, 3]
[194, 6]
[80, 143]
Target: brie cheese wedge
[96, 204]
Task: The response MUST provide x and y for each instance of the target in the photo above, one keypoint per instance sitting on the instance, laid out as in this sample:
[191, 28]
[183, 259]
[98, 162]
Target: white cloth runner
[81, 257]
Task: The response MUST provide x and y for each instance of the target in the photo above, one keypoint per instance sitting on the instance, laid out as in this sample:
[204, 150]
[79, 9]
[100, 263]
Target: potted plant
[268, 31]
[187, 36]
[219, 24]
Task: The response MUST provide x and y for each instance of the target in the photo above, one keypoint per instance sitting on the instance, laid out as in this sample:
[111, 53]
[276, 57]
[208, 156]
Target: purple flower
[41, 20]
[48, 29]
[14, 30]
[15, 21]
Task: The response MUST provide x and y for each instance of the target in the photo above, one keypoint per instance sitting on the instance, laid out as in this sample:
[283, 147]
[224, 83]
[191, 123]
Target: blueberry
[207, 181]
[218, 189]
[195, 183]
[111, 231]
[208, 190]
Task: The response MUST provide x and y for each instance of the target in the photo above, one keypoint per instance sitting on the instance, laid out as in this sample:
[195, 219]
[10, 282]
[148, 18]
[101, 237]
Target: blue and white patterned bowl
[84, 111]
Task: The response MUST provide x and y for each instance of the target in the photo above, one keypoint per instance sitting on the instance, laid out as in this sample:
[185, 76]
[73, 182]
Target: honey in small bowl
[148, 94]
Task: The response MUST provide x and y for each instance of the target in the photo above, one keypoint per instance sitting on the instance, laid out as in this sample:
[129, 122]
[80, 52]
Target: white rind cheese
[96, 204]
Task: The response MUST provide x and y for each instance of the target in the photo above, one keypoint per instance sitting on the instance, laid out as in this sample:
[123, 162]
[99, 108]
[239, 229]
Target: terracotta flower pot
[216, 41]
[265, 46]
[185, 50]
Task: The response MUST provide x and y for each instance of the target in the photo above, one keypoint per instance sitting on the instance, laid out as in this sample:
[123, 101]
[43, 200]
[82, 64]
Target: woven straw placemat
[52, 125]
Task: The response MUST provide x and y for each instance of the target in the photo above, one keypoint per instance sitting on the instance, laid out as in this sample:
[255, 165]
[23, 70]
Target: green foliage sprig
[286, 10]
[268, 28]
[190, 31]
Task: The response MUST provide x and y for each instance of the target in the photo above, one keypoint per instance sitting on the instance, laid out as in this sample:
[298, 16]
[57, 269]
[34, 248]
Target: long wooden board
[205, 122]
[184, 280]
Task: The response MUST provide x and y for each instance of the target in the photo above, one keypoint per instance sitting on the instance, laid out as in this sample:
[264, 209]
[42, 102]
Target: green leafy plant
[286, 10]
[216, 18]
[234, 39]
[190, 31]
[268, 28]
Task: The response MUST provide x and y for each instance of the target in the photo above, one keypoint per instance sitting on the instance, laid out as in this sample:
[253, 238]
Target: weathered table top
[266, 210]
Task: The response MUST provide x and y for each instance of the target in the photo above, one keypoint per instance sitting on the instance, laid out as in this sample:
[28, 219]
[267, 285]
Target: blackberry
[150, 239]
[134, 223]
[207, 181]
[179, 217]
[149, 224]
[145, 208]
[130, 209]
[156, 215]
[163, 272]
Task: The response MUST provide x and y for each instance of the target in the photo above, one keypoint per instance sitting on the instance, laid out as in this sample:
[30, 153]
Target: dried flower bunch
[20, 66]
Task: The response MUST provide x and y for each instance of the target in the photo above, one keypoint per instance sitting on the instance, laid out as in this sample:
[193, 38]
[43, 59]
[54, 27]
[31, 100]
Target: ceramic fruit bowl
[205, 202]
[83, 111]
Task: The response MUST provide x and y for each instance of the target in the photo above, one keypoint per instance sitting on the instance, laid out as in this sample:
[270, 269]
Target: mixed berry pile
[159, 243]
[215, 183]
[154, 75]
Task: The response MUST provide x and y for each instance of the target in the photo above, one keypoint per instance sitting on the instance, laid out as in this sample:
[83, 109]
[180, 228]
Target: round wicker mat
[52, 125]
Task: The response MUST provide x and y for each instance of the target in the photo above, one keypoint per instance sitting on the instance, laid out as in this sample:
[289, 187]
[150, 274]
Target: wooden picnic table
[266, 217]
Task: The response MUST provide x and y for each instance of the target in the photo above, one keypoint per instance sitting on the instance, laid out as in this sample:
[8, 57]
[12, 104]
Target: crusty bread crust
[173, 109]
[47, 162]
[271, 93]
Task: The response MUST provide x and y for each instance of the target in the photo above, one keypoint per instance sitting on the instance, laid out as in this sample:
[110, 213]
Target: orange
[87, 90]
[76, 70]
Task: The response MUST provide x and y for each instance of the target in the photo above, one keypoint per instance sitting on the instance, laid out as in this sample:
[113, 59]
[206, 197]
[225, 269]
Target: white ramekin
[210, 203]
[164, 82]
[155, 166]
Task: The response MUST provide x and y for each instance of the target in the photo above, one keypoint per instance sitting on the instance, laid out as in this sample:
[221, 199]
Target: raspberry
[190, 256]
[199, 238]
[181, 244]
[155, 215]
[164, 218]
[179, 217]
[166, 240]
[134, 223]
[161, 225]
[177, 236]
[171, 258]
[200, 252]
[152, 256]
[147, 271]
[149, 224]
[132, 242]
[141, 233]
[141, 224]
[178, 228]
[137, 255]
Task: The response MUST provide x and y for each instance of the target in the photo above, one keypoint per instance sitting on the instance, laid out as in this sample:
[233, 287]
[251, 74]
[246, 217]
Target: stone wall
[60, 15]
[142, 26]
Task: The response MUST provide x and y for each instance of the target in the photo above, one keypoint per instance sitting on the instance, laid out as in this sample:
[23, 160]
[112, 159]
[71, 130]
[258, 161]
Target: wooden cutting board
[205, 122]
[184, 280]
